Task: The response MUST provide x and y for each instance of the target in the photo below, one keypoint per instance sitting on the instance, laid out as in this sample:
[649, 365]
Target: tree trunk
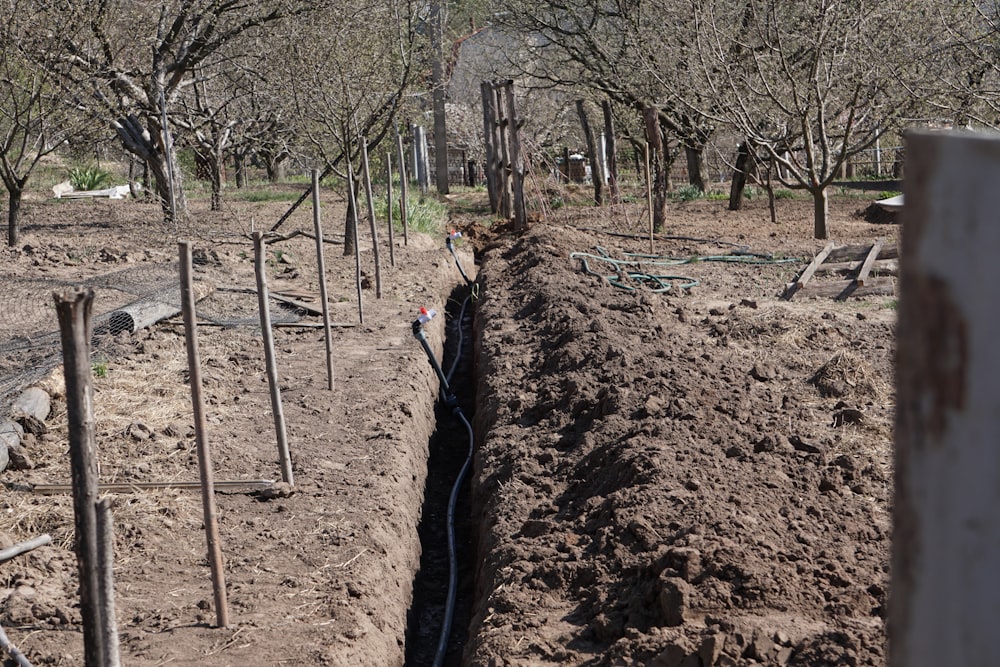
[240, 168]
[739, 177]
[216, 166]
[274, 163]
[595, 163]
[659, 166]
[821, 213]
[437, 97]
[697, 171]
[13, 212]
[147, 144]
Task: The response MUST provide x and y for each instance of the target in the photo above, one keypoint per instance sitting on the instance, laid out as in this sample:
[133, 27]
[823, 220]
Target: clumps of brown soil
[653, 491]
[848, 375]
[877, 215]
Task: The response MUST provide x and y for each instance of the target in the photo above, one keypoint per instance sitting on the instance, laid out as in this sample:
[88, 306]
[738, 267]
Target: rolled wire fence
[125, 301]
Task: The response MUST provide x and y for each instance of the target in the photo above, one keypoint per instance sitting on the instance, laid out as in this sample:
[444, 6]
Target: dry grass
[848, 374]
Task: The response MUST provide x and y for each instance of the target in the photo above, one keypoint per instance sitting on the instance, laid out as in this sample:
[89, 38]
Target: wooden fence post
[201, 438]
[649, 196]
[321, 268]
[611, 152]
[404, 190]
[277, 410]
[357, 242]
[388, 207]
[516, 159]
[73, 309]
[489, 133]
[106, 581]
[944, 606]
[370, 196]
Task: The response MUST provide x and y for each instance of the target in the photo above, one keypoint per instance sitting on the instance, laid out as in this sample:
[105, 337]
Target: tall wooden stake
[370, 196]
[277, 410]
[404, 190]
[516, 159]
[489, 143]
[106, 580]
[611, 152]
[388, 207]
[73, 309]
[649, 195]
[357, 243]
[321, 266]
[201, 439]
[946, 536]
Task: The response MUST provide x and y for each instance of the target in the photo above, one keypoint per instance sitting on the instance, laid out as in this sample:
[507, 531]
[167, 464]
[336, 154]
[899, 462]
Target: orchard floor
[696, 477]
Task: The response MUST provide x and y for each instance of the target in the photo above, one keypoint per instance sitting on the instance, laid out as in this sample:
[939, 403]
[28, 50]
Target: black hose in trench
[451, 402]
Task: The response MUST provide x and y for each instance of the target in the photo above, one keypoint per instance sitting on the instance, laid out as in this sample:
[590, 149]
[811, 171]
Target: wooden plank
[843, 289]
[882, 267]
[857, 253]
[811, 269]
[866, 267]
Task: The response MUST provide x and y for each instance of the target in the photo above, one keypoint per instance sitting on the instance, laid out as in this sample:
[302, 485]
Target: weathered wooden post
[270, 359]
[106, 582]
[205, 471]
[945, 602]
[388, 207]
[370, 196]
[404, 190]
[611, 152]
[489, 125]
[357, 243]
[73, 309]
[503, 140]
[516, 159]
[321, 268]
[649, 196]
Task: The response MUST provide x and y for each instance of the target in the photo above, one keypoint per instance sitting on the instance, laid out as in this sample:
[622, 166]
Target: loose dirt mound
[661, 477]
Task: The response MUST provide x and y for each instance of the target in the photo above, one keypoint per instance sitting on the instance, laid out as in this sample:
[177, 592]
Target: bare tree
[637, 54]
[135, 59]
[810, 84]
[34, 118]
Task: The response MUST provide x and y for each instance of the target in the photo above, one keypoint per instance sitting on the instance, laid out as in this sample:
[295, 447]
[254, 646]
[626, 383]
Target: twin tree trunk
[147, 144]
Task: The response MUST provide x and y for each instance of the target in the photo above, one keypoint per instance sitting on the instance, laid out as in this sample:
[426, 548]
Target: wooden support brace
[811, 269]
[869, 261]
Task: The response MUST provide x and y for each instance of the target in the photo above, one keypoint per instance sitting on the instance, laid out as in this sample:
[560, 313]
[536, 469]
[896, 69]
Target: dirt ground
[699, 477]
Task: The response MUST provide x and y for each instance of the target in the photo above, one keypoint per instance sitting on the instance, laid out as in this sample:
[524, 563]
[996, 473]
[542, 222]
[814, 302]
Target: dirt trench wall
[670, 480]
[322, 577]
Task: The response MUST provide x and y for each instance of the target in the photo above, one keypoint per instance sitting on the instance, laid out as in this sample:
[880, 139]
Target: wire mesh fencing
[125, 301]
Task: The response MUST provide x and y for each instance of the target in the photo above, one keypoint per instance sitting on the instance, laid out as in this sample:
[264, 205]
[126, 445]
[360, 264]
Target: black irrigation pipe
[662, 237]
[451, 402]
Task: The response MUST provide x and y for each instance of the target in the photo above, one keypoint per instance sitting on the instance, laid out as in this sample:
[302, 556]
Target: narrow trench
[448, 448]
